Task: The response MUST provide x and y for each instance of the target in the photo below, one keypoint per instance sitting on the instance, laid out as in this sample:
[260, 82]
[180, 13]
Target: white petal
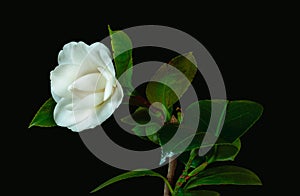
[89, 102]
[88, 123]
[97, 55]
[61, 77]
[91, 83]
[87, 58]
[79, 55]
[109, 106]
[110, 82]
[64, 56]
[118, 95]
[65, 116]
[105, 56]
[98, 115]
[55, 97]
[73, 53]
[108, 89]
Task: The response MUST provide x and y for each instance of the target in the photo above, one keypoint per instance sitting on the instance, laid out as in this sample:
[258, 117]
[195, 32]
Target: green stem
[198, 169]
[184, 176]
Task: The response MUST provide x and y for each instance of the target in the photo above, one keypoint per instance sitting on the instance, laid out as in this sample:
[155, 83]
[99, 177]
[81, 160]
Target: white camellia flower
[84, 86]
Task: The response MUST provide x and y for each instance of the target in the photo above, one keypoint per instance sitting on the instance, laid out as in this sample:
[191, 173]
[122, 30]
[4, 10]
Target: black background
[55, 161]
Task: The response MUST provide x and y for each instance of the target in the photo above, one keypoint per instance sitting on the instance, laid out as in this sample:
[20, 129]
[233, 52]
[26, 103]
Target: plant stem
[184, 176]
[170, 175]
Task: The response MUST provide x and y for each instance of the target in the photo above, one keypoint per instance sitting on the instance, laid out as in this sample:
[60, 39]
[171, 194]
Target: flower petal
[110, 82]
[87, 123]
[118, 95]
[89, 102]
[87, 58]
[55, 97]
[98, 55]
[73, 53]
[65, 116]
[109, 106]
[83, 56]
[105, 56]
[93, 82]
[61, 77]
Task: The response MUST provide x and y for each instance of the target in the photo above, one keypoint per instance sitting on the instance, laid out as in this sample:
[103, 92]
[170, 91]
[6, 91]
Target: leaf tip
[30, 125]
[259, 182]
[93, 191]
[109, 29]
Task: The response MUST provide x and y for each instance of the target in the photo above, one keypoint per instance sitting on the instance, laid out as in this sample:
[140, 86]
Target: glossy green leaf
[177, 80]
[225, 152]
[140, 131]
[185, 143]
[140, 116]
[141, 125]
[133, 174]
[239, 117]
[199, 193]
[122, 53]
[190, 142]
[220, 152]
[44, 116]
[151, 131]
[224, 175]
[147, 132]
[204, 106]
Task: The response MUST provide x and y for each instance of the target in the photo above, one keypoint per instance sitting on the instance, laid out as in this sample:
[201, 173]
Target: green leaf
[151, 131]
[186, 143]
[122, 53]
[204, 106]
[191, 141]
[199, 193]
[140, 131]
[143, 128]
[147, 132]
[224, 175]
[143, 115]
[173, 78]
[239, 117]
[224, 152]
[220, 152]
[133, 174]
[44, 116]
[140, 116]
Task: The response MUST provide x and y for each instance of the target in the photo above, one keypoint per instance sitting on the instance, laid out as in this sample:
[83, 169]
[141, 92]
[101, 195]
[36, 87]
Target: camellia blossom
[84, 86]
